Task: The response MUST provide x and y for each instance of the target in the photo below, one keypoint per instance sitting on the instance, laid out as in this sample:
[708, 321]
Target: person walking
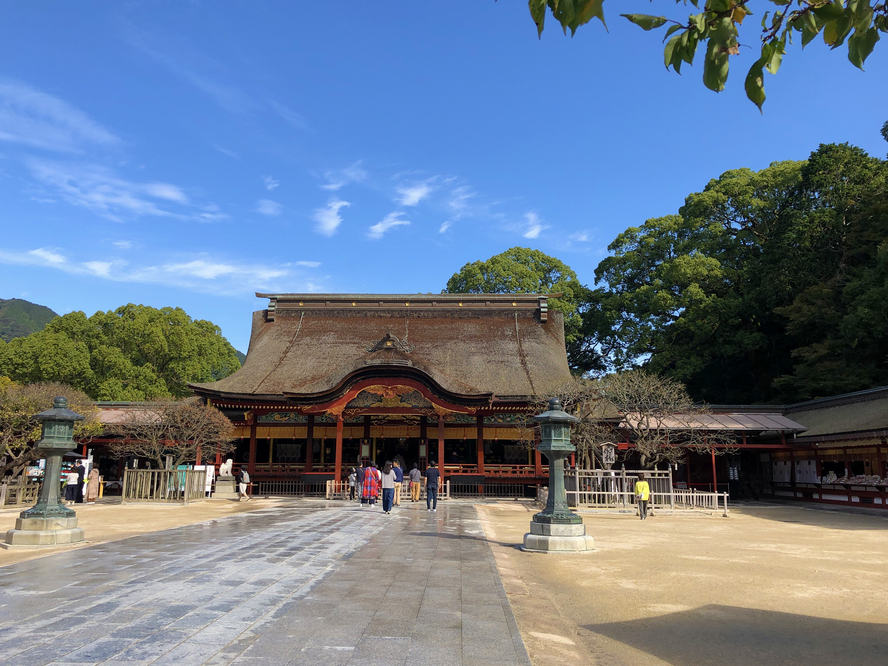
[243, 480]
[92, 486]
[399, 479]
[433, 477]
[71, 487]
[370, 487]
[81, 474]
[415, 483]
[642, 495]
[359, 478]
[389, 481]
[352, 480]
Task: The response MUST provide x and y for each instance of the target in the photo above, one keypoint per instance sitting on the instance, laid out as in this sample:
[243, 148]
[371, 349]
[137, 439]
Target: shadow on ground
[820, 515]
[726, 635]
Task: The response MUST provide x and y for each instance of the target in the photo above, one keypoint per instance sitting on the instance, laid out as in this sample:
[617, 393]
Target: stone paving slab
[301, 583]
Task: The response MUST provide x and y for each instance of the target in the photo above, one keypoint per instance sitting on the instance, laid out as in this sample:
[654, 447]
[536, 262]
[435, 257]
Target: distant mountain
[240, 356]
[19, 318]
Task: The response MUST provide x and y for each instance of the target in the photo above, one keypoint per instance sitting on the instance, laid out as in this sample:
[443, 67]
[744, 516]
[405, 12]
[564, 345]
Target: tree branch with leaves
[718, 27]
[18, 428]
[179, 429]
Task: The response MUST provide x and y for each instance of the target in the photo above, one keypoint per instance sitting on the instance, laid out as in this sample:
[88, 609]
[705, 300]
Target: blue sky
[191, 153]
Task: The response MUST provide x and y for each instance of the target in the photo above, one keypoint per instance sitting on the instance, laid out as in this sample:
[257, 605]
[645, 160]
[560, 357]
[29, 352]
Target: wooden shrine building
[331, 379]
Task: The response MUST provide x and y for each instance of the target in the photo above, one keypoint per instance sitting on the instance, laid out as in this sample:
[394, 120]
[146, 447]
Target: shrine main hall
[333, 379]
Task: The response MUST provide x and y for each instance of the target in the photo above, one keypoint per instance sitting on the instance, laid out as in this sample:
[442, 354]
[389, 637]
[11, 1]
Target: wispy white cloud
[51, 257]
[39, 120]
[270, 183]
[166, 191]
[388, 222]
[458, 203]
[410, 195]
[460, 198]
[200, 273]
[580, 236]
[292, 117]
[269, 207]
[104, 192]
[533, 226]
[328, 218]
[122, 245]
[99, 268]
[339, 178]
[226, 151]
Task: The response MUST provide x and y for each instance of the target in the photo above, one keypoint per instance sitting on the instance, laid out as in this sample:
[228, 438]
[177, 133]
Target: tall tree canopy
[521, 270]
[717, 27]
[132, 353]
[766, 286]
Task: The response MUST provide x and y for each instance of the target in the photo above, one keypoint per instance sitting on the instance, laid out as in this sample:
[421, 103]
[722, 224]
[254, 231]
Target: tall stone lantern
[49, 523]
[556, 529]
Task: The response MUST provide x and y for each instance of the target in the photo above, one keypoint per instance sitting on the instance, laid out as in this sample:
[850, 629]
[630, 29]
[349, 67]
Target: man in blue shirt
[399, 479]
[433, 478]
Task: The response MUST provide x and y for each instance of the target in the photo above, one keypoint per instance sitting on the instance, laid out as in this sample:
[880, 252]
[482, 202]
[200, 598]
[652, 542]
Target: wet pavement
[301, 583]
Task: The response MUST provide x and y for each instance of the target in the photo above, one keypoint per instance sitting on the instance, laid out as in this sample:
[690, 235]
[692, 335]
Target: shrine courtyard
[310, 582]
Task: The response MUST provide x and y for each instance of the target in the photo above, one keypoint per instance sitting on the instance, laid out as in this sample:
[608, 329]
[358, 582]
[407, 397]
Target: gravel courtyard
[771, 584]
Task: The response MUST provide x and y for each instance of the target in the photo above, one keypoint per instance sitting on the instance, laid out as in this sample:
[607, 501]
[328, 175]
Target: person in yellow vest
[642, 496]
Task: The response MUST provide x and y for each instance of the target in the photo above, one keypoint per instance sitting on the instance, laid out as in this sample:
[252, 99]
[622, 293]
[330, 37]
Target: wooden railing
[164, 485]
[19, 493]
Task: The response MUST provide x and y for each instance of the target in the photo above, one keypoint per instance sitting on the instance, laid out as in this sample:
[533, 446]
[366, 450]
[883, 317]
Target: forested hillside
[19, 318]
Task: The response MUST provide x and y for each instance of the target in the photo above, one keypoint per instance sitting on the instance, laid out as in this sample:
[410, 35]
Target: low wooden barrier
[17, 494]
[164, 485]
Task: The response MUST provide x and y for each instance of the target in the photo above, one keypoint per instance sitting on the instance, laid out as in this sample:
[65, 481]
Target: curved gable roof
[506, 346]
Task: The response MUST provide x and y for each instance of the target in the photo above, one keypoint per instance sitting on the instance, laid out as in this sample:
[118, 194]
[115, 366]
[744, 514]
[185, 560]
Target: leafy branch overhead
[717, 27]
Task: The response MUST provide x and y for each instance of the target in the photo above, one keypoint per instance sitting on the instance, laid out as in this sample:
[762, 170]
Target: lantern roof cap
[59, 412]
[555, 414]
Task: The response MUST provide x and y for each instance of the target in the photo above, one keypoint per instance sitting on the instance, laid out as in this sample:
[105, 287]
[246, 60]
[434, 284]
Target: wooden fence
[615, 489]
[19, 493]
[164, 485]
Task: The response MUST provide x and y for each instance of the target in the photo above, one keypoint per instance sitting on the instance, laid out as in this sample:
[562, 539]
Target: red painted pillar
[251, 464]
[337, 466]
[714, 476]
[479, 442]
[537, 456]
[309, 443]
[441, 444]
[197, 456]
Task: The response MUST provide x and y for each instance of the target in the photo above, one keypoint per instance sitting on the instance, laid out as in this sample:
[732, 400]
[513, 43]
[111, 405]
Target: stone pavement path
[302, 583]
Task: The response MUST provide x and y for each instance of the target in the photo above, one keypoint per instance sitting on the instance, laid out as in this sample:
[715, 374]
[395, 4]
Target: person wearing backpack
[243, 480]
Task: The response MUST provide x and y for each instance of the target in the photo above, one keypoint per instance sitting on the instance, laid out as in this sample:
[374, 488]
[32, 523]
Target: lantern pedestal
[32, 533]
[49, 523]
[556, 529]
[554, 538]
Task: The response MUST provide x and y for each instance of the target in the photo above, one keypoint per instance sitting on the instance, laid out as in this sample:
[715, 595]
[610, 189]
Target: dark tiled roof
[471, 345]
[850, 413]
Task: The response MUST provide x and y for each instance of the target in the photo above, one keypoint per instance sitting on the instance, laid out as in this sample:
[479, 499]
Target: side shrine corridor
[300, 583]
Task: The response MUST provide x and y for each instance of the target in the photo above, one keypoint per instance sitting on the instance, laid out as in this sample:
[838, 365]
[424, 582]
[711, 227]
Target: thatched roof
[307, 346]
[859, 412]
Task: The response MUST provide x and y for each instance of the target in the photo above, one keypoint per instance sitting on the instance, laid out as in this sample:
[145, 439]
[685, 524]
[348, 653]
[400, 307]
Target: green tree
[521, 270]
[718, 25]
[132, 353]
[684, 291]
[766, 286]
[838, 316]
[18, 429]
